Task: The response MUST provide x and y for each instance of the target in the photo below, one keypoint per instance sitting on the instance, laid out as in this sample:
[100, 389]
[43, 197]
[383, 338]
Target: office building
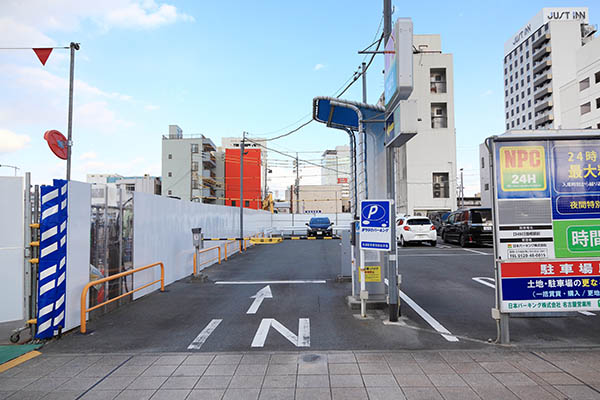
[538, 60]
[426, 164]
[106, 187]
[316, 199]
[252, 178]
[336, 169]
[189, 167]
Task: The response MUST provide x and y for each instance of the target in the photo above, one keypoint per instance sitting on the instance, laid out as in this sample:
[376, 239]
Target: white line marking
[588, 313]
[489, 282]
[478, 252]
[428, 318]
[265, 282]
[264, 293]
[202, 336]
[302, 340]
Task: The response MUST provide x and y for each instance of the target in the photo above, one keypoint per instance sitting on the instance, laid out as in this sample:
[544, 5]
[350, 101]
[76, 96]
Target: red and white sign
[57, 143]
[342, 180]
[547, 269]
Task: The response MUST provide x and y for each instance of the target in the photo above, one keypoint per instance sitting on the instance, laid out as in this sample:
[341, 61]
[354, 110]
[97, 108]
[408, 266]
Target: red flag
[43, 54]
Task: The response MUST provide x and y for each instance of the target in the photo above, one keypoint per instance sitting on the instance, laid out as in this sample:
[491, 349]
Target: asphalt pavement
[284, 297]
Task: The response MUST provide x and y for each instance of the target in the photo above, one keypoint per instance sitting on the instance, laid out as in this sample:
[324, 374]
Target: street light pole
[462, 189]
[73, 46]
[242, 186]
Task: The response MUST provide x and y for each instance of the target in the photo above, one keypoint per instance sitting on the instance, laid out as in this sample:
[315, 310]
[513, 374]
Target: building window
[530, 126]
[439, 115]
[482, 162]
[507, 127]
[528, 91]
[233, 203]
[506, 93]
[170, 174]
[598, 102]
[441, 185]
[585, 108]
[529, 114]
[584, 84]
[437, 80]
[130, 187]
[506, 82]
[512, 101]
[195, 184]
[170, 192]
[512, 113]
[194, 165]
[486, 186]
[507, 104]
[512, 124]
[507, 116]
[517, 108]
[246, 203]
[194, 147]
[170, 156]
[597, 77]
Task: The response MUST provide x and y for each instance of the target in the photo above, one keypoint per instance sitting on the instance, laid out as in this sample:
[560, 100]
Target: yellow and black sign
[372, 273]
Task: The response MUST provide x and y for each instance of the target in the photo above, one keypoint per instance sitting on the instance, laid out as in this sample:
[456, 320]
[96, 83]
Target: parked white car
[415, 229]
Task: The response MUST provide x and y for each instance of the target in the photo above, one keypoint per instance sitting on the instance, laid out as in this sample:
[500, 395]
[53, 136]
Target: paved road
[214, 316]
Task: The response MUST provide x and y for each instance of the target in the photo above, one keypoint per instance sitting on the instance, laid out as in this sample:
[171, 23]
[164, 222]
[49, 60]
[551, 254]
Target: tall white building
[189, 167]
[581, 95]
[426, 164]
[538, 60]
[336, 169]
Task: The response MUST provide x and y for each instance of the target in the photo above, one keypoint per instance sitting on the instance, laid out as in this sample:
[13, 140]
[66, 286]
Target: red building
[252, 181]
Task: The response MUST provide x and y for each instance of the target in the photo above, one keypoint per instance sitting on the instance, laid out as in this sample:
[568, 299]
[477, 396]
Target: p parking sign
[375, 225]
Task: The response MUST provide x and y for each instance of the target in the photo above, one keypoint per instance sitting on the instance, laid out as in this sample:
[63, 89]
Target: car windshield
[419, 221]
[481, 216]
[319, 221]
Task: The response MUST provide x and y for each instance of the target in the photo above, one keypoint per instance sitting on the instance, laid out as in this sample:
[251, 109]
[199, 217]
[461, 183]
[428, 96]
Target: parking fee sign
[375, 225]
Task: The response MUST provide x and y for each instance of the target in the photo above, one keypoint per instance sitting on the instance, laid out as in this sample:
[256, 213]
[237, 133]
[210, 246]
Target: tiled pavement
[348, 375]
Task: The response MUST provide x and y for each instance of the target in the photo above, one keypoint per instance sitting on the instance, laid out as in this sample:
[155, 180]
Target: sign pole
[363, 286]
[242, 187]
[73, 47]
[392, 256]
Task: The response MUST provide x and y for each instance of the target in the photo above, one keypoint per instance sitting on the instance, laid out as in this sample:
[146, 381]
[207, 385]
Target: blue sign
[375, 225]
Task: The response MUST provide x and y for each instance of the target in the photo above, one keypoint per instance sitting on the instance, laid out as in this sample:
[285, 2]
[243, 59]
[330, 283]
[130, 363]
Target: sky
[221, 68]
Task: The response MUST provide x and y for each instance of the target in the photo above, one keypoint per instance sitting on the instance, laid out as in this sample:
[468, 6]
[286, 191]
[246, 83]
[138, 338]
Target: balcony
[544, 119]
[209, 160]
[541, 53]
[541, 80]
[437, 87]
[542, 66]
[540, 41]
[542, 92]
[546, 104]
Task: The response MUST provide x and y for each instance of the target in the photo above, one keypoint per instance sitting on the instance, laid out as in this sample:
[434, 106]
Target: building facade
[255, 143]
[538, 60]
[581, 95]
[189, 167]
[426, 164]
[252, 178]
[106, 187]
[316, 199]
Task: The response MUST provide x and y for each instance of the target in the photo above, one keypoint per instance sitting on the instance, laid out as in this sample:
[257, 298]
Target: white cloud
[487, 93]
[90, 155]
[99, 116]
[10, 141]
[146, 15]
[319, 67]
[151, 107]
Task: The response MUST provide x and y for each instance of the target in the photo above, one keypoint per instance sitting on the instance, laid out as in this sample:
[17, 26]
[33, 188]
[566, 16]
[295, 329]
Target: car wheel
[402, 241]
[433, 243]
[462, 241]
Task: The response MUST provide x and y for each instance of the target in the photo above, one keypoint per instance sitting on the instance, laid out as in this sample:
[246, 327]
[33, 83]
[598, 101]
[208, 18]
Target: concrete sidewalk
[495, 374]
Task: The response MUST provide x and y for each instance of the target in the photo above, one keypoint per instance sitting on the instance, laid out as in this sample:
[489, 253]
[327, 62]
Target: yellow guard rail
[85, 310]
[218, 258]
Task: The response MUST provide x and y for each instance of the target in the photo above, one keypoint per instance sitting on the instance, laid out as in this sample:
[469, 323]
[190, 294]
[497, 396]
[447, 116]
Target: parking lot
[285, 297]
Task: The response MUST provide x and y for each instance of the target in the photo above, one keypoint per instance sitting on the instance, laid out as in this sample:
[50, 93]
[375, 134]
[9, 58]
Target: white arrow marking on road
[302, 340]
[201, 338]
[264, 293]
[490, 282]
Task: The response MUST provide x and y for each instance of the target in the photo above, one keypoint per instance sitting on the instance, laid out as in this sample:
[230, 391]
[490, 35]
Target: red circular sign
[57, 142]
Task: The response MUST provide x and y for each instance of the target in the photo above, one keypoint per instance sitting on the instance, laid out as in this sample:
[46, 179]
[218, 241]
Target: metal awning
[344, 114]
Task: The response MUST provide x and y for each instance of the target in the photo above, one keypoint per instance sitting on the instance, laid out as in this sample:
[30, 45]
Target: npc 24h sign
[375, 225]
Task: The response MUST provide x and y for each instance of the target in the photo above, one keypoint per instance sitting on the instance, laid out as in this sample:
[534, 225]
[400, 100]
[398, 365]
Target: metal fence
[111, 250]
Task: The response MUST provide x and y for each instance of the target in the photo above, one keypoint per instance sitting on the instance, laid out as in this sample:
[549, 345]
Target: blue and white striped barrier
[52, 261]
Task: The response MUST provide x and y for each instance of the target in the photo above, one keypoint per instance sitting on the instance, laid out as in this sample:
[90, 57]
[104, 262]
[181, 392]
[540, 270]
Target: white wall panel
[281, 221]
[78, 249]
[163, 232]
[11, 249]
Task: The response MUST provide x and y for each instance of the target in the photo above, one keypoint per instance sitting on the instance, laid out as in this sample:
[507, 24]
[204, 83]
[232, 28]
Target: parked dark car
[319, 226]
[469, 226]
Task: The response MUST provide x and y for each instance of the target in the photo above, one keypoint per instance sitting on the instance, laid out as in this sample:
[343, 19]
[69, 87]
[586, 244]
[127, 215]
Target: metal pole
[462, 189]
[297, 188]
[363, 285]
[27, 239]
[242, 186]
[364, 82]
[394, 303]
[73, 47]
[387, 20]
[120, 230]
[35, 254]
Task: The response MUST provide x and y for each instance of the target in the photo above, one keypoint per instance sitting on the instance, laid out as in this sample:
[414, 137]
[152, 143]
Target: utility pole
[73, 46]
[462, 189]
[391, 258]
[297, 188]
[242, 187]
[364, 81]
